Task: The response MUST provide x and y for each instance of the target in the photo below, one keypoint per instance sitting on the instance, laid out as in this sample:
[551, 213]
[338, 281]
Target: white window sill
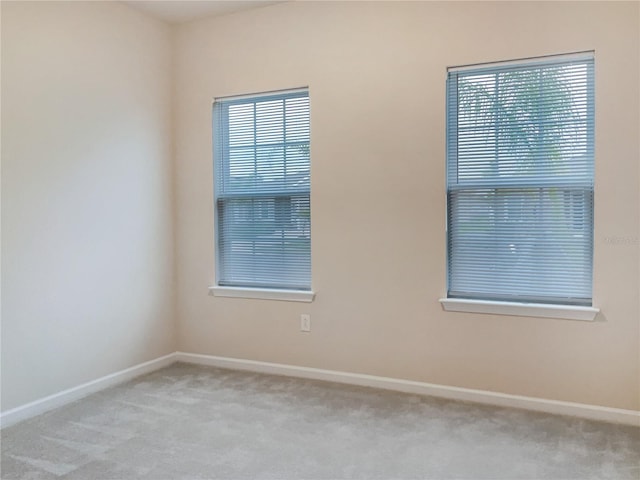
[569, 312]
[263, 293]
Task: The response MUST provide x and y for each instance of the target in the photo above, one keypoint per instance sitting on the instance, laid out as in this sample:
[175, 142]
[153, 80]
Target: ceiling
[176, 11]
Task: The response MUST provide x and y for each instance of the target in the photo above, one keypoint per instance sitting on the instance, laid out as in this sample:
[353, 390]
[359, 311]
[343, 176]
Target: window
[262, 191]
[520, 153]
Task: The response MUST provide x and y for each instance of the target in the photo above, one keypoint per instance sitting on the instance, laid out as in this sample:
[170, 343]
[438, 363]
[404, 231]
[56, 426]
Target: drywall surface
[376, 75]
[87, 234]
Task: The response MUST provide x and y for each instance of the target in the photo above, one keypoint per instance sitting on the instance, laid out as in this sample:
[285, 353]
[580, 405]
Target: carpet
[195, 422]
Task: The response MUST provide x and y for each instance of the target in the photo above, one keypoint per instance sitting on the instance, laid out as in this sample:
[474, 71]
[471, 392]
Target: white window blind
[262, 186]
[520, 147]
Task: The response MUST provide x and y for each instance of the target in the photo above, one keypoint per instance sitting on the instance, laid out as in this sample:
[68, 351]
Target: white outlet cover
[305, 322]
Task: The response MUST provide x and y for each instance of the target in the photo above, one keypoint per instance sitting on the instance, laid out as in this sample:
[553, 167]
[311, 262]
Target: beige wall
[376, 74]
[87, 193]
[87, 234]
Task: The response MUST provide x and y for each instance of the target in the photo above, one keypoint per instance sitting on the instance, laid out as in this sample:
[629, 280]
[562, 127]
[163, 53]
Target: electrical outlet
[305, 322]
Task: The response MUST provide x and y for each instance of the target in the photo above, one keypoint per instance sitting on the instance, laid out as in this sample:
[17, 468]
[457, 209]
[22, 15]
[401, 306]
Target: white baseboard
[23, 412]
[591, 412]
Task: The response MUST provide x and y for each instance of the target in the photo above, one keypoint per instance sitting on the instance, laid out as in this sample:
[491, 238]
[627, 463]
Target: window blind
[262, 190]
[520, 148]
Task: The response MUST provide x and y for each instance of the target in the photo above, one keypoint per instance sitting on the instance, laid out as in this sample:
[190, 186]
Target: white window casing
[262, 195]
[520, 183]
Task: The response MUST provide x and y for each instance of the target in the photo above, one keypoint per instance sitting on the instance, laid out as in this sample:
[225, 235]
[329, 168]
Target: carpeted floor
[192, 422]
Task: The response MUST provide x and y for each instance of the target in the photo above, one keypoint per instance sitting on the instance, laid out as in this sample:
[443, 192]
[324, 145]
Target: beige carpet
[191, 422]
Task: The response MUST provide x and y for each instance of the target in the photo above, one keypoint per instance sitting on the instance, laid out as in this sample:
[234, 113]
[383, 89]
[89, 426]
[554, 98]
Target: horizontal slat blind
[520, 181]
[262, 190]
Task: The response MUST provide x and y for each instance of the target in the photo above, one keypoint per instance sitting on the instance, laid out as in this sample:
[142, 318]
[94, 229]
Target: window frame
[221, 177]
[480, 303]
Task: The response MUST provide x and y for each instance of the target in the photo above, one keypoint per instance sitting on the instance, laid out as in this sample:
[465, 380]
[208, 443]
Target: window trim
[525, 307]
[545, 59]
[306, 296]
[518, 309]
[240, 291]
